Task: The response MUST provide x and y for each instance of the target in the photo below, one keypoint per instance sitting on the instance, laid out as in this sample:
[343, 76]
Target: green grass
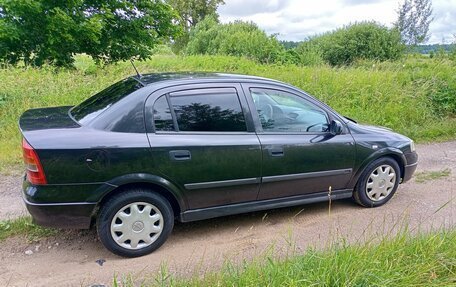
[23, 226]
[415, 96]
[403, 260]
[423, 260]
[431, 175]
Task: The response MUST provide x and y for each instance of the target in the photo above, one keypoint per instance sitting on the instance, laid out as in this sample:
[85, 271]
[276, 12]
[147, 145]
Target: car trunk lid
[46, 118]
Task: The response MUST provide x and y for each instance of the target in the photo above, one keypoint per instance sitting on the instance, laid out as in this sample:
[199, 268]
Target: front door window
[280, 111]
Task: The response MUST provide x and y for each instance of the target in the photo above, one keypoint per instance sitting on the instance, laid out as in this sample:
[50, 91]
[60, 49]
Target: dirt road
[70, 258]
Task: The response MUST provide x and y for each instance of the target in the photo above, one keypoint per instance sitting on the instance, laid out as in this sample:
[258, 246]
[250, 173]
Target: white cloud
[295, 20]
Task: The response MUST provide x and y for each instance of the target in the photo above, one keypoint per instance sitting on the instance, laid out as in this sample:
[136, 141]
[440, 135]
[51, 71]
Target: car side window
[281, 111]
[163, 119]
[208, 110]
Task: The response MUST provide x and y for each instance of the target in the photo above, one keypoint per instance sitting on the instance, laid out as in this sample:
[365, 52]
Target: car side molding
[223, 183]
[275, 178]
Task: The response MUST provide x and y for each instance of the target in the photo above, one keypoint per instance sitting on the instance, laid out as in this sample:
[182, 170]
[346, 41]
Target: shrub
[309, 54]
[359, 41]
[443, 98]
[235, 39]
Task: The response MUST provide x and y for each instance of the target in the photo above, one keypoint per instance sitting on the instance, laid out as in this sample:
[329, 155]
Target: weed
[431, 175]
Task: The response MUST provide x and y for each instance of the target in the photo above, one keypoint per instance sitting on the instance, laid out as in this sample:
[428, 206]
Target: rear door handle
[276, 151]
[180, 155]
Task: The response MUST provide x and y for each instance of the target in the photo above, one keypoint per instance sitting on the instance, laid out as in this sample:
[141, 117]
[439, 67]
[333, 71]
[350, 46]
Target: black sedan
[157, 148]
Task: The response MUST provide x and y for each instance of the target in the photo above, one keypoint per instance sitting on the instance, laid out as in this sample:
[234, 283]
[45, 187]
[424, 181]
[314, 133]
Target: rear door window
[163, 119]
[203, 110]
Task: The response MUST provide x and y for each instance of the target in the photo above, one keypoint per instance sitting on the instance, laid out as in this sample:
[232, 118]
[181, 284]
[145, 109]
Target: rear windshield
[95, 105]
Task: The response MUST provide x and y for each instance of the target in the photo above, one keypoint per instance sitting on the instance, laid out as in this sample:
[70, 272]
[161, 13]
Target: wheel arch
[146, 181]
[393, 153]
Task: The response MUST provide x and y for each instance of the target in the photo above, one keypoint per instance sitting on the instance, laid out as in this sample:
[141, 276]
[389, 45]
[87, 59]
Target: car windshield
[95, 105]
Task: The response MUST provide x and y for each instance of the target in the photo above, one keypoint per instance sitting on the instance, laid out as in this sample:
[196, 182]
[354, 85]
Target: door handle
[180, 155]
[276, 151]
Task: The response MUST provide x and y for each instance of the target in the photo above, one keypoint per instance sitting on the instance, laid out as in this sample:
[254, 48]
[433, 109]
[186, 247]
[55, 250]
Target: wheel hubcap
[380, 182]
[137, 225]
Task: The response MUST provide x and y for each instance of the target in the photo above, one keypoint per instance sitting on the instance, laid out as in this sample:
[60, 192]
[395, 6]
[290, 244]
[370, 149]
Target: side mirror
[335, 128]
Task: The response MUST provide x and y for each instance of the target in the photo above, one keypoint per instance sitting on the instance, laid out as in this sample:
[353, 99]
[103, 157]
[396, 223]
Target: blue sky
[295, 20]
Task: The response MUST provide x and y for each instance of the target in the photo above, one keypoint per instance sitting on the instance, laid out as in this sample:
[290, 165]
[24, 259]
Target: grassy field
[415, 96]
[424, 260]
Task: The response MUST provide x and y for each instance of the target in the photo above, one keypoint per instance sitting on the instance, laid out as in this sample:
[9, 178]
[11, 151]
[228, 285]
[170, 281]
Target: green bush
[309, 54]
[235, 39]
[359, 41]
[443, 98]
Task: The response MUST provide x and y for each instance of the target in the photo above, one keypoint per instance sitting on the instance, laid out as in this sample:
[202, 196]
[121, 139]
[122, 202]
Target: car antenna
[134, 67]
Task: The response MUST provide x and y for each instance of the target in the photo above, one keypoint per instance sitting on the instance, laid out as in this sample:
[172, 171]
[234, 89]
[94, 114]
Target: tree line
[38, 32]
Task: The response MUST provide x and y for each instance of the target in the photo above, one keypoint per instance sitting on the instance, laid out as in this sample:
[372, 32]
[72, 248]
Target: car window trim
[202, 91]
[198, 91]
[154, 94]
[172, 111]
[203, 133]
[293, 133]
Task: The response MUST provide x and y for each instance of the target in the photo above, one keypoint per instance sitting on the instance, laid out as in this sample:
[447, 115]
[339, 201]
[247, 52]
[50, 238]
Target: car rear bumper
[62, 215]
[74, 215]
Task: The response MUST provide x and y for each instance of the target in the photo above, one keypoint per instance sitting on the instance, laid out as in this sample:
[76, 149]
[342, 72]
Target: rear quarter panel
[85, 155]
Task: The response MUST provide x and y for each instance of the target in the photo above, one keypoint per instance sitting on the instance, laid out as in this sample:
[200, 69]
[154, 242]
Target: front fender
[387, 151]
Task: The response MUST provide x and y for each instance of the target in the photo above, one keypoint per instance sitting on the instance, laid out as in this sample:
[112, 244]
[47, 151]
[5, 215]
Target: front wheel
[135, 222]
[378, 183]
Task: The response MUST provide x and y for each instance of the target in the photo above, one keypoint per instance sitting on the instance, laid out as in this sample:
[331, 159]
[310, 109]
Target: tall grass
[415, 97]
[423, 260]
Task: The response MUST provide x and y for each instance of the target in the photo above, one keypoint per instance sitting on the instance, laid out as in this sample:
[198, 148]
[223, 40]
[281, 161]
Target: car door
[300, 156]
[204, 141]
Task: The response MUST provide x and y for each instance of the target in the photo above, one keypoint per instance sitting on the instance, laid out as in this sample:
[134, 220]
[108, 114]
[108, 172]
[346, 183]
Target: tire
[372, 191]
[135, 222]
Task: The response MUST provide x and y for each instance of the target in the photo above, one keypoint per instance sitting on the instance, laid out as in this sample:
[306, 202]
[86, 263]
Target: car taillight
[35, 172]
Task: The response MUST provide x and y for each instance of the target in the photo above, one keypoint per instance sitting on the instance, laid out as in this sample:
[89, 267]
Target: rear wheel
[378, 183]
[135, 222]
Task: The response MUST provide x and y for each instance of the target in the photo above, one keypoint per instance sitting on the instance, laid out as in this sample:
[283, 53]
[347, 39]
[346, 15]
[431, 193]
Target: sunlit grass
[404, 260]
[24, 227]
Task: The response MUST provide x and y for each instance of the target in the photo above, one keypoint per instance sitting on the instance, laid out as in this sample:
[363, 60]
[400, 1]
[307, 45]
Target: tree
[194, 11]
[191, 13]
[47, 31]
[414, 17]
[236, 39]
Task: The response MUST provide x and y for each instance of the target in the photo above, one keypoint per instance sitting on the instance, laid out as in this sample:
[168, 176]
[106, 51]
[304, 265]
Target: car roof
[154, 78]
